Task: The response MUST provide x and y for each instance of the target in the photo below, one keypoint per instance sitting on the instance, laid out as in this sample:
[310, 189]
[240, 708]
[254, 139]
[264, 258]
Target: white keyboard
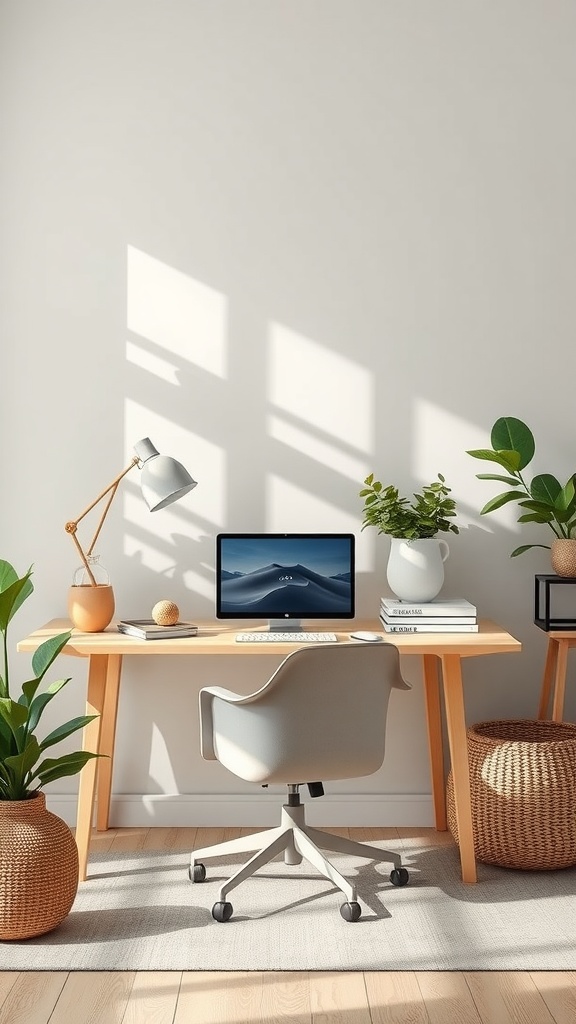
[285, 638]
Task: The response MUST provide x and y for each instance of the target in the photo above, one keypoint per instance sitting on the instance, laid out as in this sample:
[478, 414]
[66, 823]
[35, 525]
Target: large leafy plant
[543, 499]
[429, 513]
[23, 767]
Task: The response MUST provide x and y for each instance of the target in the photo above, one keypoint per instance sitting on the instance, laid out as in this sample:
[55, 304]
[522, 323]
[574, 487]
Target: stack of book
[442, 615]
[147, 629]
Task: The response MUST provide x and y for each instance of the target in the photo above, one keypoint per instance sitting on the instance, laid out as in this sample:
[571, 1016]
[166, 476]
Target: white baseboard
[136, 810]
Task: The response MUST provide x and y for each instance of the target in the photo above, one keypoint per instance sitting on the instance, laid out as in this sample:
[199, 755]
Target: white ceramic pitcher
[415, 569]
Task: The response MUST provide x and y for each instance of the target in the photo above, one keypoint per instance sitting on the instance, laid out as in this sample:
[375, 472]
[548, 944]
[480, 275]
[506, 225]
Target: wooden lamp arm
[72, 526]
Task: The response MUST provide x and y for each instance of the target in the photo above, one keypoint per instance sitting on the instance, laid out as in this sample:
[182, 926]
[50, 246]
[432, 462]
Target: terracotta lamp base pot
[91, 608]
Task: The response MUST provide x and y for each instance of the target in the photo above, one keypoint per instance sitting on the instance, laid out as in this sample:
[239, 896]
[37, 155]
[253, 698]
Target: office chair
[321, 715]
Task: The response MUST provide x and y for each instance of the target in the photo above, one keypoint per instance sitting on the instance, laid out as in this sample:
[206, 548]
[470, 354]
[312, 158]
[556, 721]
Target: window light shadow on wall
[156, 548]
[436, 448]
[311, 383]
[182, 316]
[175, 322]
[323, 407]
[162, 773]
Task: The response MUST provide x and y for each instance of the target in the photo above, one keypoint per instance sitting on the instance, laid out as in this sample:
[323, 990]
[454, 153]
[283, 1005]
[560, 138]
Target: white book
[419, 627]
[147, 629]
[429, 620]
[440, 606]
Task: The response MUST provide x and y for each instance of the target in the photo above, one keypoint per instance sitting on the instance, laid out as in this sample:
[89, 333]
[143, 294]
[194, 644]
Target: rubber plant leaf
[511, 433]
[499, 500]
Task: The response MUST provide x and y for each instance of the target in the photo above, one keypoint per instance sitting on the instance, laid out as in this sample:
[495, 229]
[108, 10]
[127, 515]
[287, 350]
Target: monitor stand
[285, 626]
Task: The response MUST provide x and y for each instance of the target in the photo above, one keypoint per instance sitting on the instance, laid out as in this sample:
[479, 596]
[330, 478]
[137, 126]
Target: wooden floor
[176, 997]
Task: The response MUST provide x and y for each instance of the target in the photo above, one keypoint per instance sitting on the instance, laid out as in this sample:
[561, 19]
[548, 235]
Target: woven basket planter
[38, 868]
[523, 789]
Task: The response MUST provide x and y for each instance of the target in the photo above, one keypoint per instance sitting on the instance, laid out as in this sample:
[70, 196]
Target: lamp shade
[163, 479]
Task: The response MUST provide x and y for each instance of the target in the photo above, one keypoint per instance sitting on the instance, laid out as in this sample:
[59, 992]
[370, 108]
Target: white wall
[292, 242]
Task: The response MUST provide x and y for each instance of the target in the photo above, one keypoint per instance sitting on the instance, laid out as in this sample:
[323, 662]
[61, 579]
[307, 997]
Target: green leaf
[66, 730]
[39, 703]
[567, 497]
[561, 515]
[8, 575]
[501, 499]
[542, 507]
[7, 742]
[57, 768]
[526, 547]
[13, 595]
[28, 690]
[534, 517]
[511, 434]
[509, 460]
[512, 480]
[13, 713]
[47, 652]
[22, 763]
[545, 488]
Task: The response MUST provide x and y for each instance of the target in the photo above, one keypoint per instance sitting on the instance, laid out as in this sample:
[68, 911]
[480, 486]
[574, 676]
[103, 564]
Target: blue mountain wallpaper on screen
[269, 576]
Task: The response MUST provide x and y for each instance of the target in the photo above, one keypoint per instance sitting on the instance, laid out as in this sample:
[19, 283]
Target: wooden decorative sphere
[165, 613]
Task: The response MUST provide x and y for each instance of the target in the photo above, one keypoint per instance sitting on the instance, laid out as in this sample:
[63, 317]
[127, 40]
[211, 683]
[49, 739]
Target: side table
[561, 632]
[554, 679]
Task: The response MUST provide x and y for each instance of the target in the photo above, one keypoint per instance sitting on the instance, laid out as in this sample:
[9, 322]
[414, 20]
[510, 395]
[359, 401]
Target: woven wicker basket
[523, 788]
[38, 868]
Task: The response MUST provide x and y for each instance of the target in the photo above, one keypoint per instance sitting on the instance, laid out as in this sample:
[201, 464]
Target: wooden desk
[554, 680]
[442, 651]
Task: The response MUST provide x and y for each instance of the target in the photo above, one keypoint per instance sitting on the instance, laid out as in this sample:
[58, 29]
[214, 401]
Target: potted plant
[542, 500]
[38, 855]
[415, 570]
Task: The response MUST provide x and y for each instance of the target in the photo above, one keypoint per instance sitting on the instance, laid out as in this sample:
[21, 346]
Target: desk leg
[560, 682]
[456, 722]
[105, 765]
[435, 748]
[97, 668]
[549, 674]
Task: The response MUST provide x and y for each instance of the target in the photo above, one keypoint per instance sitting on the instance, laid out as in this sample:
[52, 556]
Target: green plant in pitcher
[23, 767]
[543, 499]
[428, 514]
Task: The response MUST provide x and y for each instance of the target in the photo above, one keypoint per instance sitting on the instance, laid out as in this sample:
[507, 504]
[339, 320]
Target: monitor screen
[285, 575]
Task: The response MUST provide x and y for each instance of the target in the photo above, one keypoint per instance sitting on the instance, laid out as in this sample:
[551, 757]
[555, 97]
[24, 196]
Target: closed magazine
[404, 626]
[440, 606]
[147, 629]
[428, 620]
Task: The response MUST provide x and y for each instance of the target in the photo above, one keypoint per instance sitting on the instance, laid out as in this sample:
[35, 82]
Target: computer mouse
[365, 635]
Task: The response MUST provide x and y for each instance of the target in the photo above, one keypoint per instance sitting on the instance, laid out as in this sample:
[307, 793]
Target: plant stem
[6, 681]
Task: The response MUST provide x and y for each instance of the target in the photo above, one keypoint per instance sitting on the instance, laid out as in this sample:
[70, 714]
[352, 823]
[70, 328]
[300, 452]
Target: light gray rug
[140, 912]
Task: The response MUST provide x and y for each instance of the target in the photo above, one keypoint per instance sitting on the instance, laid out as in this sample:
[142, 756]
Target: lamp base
[91, 608]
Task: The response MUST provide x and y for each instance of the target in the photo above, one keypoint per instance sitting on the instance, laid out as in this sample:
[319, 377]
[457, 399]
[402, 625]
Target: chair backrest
[321, 715]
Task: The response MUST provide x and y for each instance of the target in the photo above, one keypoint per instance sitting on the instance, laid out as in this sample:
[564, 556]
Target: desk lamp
[163, 480]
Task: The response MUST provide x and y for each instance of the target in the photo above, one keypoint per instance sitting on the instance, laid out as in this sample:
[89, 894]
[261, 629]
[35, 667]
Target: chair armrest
[207, 694]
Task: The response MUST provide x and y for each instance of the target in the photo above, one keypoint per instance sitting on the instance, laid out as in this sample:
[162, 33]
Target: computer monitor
[285, 577]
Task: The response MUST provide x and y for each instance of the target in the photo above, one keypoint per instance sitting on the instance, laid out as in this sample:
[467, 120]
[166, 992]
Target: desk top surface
[219, 638]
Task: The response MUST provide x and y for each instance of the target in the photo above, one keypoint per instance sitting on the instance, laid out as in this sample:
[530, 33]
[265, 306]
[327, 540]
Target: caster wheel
[222, 912]
[197, 873]
[350, 911]
[399, 876]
